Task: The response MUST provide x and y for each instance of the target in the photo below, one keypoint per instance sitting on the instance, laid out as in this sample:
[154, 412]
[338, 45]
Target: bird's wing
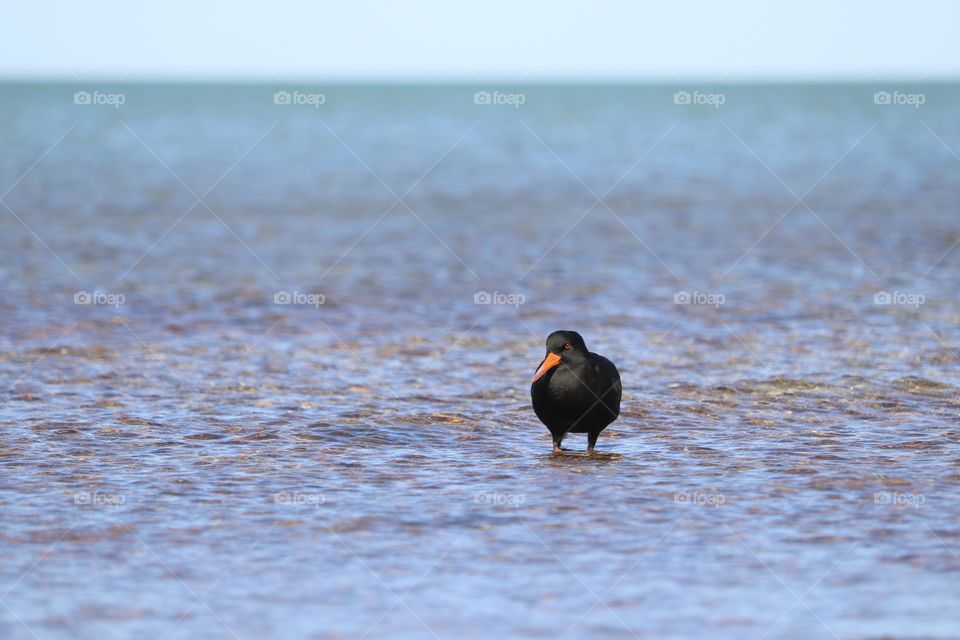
[611, 369]
[616, 389]
[617, 386]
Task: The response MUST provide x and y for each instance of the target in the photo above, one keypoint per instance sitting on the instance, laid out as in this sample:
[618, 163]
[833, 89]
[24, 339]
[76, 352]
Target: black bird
[575, 391]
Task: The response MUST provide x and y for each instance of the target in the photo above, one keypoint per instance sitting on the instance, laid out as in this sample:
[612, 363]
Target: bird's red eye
[567, 346]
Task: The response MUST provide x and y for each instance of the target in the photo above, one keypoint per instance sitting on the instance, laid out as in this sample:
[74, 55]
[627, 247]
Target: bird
[574, 390]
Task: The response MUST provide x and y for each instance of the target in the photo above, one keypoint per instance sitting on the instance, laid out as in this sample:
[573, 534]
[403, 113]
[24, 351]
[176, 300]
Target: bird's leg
[556, 445]
[591, 441]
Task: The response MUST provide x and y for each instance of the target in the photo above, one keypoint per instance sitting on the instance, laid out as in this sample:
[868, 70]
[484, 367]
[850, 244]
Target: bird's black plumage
[574, 390]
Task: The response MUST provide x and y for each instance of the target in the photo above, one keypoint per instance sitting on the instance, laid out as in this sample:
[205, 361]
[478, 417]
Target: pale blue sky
[504, 39]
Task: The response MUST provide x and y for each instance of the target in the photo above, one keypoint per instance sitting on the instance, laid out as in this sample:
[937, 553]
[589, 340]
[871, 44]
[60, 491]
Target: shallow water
[202, 461]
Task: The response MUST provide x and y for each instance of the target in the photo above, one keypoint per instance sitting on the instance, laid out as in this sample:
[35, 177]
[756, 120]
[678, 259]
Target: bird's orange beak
[549, 362]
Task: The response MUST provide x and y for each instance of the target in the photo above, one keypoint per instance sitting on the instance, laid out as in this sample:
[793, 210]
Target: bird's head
[562, 346]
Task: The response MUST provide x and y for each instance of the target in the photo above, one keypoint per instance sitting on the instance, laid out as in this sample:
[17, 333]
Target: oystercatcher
[575, 391]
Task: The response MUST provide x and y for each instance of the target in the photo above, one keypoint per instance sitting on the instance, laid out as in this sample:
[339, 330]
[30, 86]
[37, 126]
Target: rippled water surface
[195, 458]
